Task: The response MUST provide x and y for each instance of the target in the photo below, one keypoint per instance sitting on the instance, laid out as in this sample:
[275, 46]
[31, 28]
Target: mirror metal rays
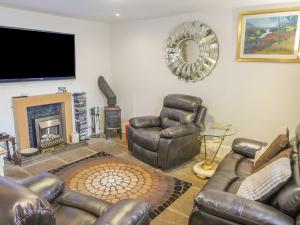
[192, 51]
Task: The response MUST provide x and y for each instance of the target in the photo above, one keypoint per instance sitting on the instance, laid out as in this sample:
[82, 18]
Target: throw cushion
[284, 154]
[263, 184]
[284, 130]
[280, 143]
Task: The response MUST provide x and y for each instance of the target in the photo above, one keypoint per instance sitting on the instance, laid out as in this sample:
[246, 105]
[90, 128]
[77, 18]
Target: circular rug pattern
[112, 179]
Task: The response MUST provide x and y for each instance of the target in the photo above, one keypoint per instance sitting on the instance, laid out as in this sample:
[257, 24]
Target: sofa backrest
[288, 198]
[181, 109]
[20, 206]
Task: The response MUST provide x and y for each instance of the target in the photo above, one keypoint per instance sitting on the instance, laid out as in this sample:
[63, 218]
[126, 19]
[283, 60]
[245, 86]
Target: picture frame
[270, 35]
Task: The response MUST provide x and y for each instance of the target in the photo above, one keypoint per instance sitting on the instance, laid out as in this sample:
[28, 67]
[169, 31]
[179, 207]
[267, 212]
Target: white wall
[256, 98]
[92, 59]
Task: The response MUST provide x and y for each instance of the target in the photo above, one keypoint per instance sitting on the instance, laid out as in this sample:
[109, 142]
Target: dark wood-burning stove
[112, 120]
[112, 112]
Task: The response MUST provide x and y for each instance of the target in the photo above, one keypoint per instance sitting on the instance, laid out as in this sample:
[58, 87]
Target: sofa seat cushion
[72, 216]
[225, 173]
[147, 138]
[288, 198]
[245, 167]
[230, 173]
[145, 155]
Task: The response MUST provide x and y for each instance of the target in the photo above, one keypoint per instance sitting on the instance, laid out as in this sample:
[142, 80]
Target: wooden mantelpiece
[20, 105]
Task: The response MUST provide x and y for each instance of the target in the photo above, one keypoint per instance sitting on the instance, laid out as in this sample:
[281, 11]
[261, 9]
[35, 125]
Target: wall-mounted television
[27, 55]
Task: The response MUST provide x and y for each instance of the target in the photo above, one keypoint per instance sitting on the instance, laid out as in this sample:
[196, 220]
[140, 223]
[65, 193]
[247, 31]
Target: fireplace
[48, 130]
[46, 122]
[42, 117]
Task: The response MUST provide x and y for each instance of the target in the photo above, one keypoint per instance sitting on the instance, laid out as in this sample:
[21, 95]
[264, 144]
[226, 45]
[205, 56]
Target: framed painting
[269, 35]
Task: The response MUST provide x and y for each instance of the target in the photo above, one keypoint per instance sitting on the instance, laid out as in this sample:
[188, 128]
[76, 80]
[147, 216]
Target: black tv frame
[43, 78]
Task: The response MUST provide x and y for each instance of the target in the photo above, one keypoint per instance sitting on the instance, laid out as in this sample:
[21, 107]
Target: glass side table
[207, 167]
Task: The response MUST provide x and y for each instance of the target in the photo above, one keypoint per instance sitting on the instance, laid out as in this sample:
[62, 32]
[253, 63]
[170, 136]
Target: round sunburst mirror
[192, 51]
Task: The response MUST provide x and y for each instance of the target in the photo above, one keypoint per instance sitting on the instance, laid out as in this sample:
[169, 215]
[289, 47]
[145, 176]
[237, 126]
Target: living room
[166, 168]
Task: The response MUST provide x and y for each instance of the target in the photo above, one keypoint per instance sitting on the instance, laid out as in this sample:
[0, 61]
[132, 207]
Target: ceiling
[105, 10]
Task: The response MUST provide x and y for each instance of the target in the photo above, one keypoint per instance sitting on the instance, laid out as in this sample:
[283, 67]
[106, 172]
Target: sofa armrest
[87, 203]
[239, 210]
[178, 131]
[45, 185]
[145, 121]
[247, 147]
[126, 212]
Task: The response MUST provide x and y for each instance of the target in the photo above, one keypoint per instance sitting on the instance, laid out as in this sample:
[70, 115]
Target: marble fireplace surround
[21, 104]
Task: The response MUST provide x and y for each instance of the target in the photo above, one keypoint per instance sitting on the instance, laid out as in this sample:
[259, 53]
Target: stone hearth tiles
[75, 154]
[44, 166]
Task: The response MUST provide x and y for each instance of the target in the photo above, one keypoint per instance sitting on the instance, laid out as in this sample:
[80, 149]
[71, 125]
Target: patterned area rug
[109, 178]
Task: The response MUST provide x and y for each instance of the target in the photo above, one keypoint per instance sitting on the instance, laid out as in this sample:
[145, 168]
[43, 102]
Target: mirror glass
[190, 51]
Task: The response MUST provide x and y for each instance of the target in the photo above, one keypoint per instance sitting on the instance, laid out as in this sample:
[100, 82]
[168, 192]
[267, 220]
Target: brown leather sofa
[169, 139]
[43, 200]
[218, 204]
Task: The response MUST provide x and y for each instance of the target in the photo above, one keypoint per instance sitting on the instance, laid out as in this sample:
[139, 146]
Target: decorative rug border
[176, 193]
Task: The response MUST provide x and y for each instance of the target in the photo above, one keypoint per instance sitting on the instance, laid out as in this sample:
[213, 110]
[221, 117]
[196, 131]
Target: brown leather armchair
[43, 200]
[217, 202]
[169, 139]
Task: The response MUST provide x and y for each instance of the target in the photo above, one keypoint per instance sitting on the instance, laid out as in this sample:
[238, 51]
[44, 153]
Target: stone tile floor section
[175, 214]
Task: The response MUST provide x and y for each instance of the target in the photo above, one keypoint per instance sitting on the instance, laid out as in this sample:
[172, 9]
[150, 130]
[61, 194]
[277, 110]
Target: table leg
[205, 151]
[106, 133]
[13, 142]
[8, 152]
[120, 130]
[221, 142]
[209, 165]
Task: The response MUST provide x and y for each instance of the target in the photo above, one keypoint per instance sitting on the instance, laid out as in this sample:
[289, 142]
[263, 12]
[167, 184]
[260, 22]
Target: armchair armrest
[21, 206]
[178, 131]
[84, 202]
[45, 185]
[239, 210]
[145, 121]
[126, 212]
[247, 147]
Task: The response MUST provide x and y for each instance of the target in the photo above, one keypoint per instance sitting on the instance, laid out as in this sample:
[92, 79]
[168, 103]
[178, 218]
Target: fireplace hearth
[44, 122]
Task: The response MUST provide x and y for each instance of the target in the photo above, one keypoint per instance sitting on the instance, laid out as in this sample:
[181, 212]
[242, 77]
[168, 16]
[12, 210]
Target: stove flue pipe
[107, 91]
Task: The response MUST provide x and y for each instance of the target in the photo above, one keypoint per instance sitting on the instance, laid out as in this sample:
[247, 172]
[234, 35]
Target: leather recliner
[169, 139]
[217, 202]
[43, 200]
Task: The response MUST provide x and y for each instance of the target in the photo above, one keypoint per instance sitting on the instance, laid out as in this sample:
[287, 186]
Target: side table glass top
[218, 130]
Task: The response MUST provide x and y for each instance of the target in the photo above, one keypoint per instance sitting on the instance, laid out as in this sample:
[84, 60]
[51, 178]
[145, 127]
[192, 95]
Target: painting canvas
[269, 36]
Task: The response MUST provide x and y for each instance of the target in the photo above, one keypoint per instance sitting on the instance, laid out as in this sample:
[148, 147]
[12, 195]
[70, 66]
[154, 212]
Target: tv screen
[36, 55]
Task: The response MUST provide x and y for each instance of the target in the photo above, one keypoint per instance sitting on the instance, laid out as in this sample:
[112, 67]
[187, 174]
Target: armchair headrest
[183, 102]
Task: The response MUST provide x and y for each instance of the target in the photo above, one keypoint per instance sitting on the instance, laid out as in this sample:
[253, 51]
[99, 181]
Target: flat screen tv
[27, 55]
